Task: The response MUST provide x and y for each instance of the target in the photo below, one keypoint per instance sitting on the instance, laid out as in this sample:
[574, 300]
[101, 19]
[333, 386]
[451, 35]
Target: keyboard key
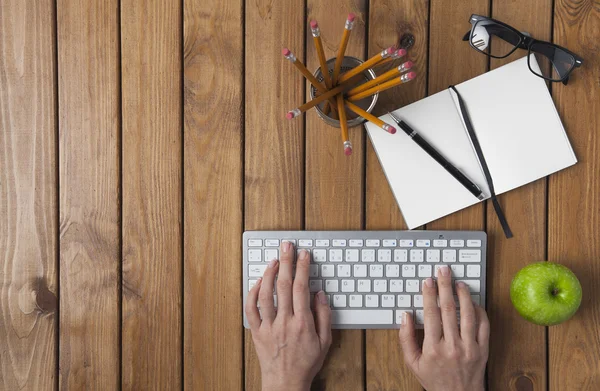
[356, 243]
[406, 243]
[396, 286]
[380, 286]
[305, 243]
[425, 271]
[364, 286]
[412, 286]
[440, 243]
[339, 242]
[373, 242]
[400, 255]
[457, 243]
[433, 255]
[360, 270]
[292, 241]
[327, 270]
[387, 301]
[390, 243]
[403, 301]
[270, 254]
[271, 242]
[474, 285]
[435, 269]
[313, 270]
[328, 297]
[376, 271]
[355, 301]
[473, 243]
[320, 255]
[469, 255]
[408, 271]
[400, 314]
[251, 284]
[348, 286]
[315, 285]
[254, 242]
[392, 271]
[384, 255]
[367, 255]
[423, 243]
[457, 271]
[418, 301]
[255, 255]
[352, 255]
[359, 317]
[331, 286]
[322, 243]
[371, 301]
[339, 301]
[343, 270]
[416, 255]
[335, 255]
[476, 299]
[449, 256]
[419, 317]
[256, 270]
[473, 271]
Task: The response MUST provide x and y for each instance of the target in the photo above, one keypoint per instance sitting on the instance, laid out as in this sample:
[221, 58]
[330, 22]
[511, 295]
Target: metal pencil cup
[367, 104]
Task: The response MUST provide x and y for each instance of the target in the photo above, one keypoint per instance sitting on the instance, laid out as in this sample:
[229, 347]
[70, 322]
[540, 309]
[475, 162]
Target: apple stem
[554, 291]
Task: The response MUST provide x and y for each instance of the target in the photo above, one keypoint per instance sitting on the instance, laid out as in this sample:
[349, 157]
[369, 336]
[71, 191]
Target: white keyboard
[372, 277]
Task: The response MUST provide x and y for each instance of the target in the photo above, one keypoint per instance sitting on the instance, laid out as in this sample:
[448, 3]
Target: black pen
[466, 182]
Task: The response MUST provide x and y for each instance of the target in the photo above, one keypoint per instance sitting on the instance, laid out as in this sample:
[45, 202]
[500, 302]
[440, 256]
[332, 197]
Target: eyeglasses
[499, 40]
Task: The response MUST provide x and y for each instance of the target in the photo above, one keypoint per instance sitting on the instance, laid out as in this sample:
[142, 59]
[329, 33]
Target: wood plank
[274, 147]
[151, 36]
[520, 364]
[452, 61]
[574, 196]
[88, 86]
[213, 112]
[334, 181]
[28, 202]
[388, 21]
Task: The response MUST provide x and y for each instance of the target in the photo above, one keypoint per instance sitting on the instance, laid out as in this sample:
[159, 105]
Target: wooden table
[140, 139]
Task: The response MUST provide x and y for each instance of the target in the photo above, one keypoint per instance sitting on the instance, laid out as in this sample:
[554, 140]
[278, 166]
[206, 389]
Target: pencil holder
[366, 104]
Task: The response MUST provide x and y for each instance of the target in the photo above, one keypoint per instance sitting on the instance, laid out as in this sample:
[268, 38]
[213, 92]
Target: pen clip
[394, 117]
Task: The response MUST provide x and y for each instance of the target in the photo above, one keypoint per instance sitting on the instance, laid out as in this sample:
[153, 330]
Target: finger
[265, 296]
[447, 305]
[301, 295]
[468, 320]
[432, 318]
[323, 319]
[284, 279]
[483, 334]
[252, 313]
[408, 341]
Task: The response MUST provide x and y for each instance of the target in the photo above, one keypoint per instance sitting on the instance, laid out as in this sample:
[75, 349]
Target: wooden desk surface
[140, 139]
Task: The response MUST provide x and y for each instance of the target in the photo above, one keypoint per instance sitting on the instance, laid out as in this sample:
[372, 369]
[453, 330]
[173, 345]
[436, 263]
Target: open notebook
[516, 122]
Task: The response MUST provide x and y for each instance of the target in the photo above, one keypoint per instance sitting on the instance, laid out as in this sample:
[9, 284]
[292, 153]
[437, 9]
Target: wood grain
[88, 86]
[28, 202]
[334, 181]
[151, 34]
[388, 21]
[574, 196]
[521, 363]
[274, 146]
[213, 76]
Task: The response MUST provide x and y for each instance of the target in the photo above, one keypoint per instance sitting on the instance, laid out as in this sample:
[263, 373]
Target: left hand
[291, 342]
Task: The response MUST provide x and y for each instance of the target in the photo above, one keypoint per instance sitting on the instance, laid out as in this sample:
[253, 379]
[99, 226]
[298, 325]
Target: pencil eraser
[348, 151]
[286, 52]
[401, 52]
[314, 24]
[408, 65]
[390, 50]
[351, 17]
[411, 75]
[289, 115]
[392, 130]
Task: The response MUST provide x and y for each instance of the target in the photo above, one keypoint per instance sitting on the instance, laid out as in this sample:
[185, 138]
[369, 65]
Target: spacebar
[362, 316]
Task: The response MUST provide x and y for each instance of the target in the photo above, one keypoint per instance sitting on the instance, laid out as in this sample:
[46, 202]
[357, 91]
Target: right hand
[451, 359]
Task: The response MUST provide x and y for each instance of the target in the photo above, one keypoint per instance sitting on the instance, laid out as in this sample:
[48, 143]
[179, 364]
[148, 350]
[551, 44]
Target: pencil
[396, 55]
[342, 49]
[344, 125]
[312, 103]
[371, 62]
[382, 78]
[316, 33]
[383, 86]
[371, 118]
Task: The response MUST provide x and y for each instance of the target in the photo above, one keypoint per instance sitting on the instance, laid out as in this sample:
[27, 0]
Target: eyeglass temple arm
[467, 36]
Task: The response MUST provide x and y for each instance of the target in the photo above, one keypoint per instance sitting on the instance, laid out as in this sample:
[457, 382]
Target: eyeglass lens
[493, 39]
[554, 63]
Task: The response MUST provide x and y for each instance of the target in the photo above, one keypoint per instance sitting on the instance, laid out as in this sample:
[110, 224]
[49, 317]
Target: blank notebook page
[517, 125]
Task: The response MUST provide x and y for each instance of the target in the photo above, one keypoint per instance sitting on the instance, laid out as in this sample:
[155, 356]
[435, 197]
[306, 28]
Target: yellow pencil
[316, 33]
[344, 125]
[371, 62]
[382, 78]
[342, 49]
[396, 55]
[312, 103]
[370, 117]
[383, 86]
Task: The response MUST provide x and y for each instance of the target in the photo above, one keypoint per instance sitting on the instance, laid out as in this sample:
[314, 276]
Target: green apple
[546, 293]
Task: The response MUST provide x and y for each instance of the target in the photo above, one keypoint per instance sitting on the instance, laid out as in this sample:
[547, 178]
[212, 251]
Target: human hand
[291, 342]
[451, 359]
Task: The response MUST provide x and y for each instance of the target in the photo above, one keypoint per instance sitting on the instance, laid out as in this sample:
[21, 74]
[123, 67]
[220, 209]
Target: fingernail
[429, 282]
[259, 280]
[303, 255]
[286, 246]
[445, 271]
[460, 285]
[322, 298]
[272, 263]
[404, 318]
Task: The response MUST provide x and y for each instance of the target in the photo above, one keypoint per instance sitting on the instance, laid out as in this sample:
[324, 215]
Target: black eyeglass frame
[525, 42]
